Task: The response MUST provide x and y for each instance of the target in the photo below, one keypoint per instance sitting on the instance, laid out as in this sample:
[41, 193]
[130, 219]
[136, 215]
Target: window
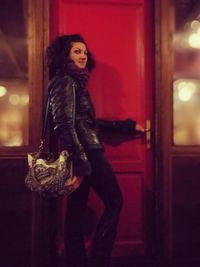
[14, 76]
[186, 84]
[23, 33]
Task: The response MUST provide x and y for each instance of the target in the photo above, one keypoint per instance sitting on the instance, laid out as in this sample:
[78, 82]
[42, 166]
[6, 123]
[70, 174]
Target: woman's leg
[74, 238]
[105, 185]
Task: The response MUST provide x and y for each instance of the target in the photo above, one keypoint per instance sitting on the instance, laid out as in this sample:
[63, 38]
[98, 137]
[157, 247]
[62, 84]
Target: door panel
[115, 32]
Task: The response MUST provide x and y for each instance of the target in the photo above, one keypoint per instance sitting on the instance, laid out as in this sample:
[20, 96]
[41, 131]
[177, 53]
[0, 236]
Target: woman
[70, 62]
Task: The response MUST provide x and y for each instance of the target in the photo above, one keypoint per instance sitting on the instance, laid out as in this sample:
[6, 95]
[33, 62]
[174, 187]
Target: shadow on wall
[106, 89]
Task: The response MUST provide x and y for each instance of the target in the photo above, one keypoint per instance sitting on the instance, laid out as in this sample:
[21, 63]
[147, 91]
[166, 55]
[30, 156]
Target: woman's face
[78, 54]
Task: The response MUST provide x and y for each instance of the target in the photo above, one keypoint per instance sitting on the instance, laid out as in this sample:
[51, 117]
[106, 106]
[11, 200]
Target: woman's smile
[78, 54]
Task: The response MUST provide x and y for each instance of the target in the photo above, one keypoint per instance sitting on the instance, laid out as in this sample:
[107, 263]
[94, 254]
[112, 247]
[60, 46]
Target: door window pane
[14, 95]
[186, 111]
[186, 84]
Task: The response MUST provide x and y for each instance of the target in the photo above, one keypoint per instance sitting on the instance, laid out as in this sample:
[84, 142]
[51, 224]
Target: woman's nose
[83, 55]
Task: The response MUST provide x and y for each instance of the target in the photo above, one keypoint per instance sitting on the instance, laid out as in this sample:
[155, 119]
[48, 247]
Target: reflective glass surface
[14, 95]
[186, 82]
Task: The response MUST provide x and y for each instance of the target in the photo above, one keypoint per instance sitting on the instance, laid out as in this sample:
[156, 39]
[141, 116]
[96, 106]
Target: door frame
[164, 29]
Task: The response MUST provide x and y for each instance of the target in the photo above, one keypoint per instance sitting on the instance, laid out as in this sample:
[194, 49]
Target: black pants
[104, 183]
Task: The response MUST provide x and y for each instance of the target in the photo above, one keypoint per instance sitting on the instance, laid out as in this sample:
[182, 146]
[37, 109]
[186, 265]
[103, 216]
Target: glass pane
[186, 85]
[14, 97]
[187, 111]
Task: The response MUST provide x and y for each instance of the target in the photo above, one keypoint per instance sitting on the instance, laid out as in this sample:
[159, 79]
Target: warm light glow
[14, 118]
[14, 99]
[24, 99]
[16, 141]
[3, 90]
[185, 90]
[14, 113]
[180, 136]
[184, 94]
[11, 122]
[194, 40]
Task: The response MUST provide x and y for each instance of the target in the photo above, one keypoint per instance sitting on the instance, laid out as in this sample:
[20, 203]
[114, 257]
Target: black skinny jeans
[104, 183]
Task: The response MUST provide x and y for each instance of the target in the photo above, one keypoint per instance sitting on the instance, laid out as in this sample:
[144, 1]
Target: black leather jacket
[83, 134]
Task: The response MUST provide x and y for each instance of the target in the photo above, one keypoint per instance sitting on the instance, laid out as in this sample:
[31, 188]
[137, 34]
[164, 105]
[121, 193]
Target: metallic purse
[47, 176]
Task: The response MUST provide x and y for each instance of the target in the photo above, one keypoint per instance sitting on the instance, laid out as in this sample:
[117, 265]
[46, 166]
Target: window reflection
[186, 85]
[14, 96]
[14, 113]
[187, 111]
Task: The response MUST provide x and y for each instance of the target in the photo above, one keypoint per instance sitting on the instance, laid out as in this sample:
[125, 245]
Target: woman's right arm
[127, 126]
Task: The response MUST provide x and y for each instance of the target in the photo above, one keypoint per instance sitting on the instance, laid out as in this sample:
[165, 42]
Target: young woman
[70, 63]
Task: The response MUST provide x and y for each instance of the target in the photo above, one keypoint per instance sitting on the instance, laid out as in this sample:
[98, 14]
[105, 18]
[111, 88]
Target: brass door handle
[148, 134]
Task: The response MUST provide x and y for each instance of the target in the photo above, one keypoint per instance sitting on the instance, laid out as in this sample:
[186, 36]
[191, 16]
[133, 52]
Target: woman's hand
[139, 128]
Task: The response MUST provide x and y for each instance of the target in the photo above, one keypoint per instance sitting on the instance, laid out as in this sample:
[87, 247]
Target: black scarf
[80, 76]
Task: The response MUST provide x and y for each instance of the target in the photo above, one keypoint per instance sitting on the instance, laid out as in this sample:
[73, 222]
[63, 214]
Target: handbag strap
[46, 118]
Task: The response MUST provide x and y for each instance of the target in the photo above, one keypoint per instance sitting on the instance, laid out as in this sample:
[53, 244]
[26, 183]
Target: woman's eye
[77, 51]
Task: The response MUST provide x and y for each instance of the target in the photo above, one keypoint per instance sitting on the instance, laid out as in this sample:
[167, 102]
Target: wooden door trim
[164, 28]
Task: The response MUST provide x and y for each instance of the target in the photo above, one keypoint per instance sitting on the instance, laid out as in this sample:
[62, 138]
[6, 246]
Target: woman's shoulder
[60, 81]
[62, 78]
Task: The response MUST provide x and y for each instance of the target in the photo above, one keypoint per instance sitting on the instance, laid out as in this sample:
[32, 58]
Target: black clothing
[84, 136]
[88, 160]
[62, 105]
[104, 183]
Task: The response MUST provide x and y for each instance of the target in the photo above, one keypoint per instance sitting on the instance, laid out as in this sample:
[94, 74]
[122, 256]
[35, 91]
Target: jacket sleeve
[62, 108]
[127, 126]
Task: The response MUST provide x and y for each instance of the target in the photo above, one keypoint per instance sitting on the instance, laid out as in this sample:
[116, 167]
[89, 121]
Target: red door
[119, 35]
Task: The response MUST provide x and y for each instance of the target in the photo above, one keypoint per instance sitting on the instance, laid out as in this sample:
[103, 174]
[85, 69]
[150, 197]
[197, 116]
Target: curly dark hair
[58, 52]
